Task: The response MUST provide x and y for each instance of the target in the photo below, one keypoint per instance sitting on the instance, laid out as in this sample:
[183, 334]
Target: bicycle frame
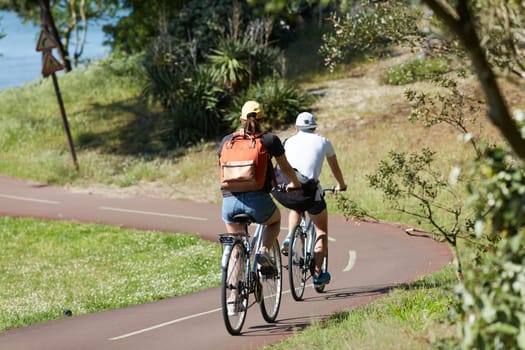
[242, 276]
[301, 255]
[229, 239]
[301, 258]
[310, 235]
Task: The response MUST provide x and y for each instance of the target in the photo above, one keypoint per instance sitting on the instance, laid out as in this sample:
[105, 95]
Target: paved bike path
[366, 260]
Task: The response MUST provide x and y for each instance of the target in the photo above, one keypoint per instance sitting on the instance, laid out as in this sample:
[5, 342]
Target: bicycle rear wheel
[234, 295]
[296, 263]
[271, 284]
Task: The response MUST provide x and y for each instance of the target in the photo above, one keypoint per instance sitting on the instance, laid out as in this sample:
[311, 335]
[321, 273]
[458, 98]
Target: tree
[146, 21]
[71, 19]
[492, 288]
[502, 33]
[492, 305]
[458, 16]
[465, 19]
[373, 28]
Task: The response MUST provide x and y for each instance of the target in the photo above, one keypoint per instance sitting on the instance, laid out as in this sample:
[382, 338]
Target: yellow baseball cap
[252, 107]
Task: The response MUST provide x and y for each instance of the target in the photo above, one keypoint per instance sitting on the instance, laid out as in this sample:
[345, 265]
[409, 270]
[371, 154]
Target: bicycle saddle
[243, 219]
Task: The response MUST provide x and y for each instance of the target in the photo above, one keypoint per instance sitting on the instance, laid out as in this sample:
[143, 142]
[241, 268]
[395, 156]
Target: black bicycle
[242, 276]
[301, 262]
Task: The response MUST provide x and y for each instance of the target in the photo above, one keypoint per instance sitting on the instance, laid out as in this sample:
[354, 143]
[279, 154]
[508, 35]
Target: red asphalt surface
[366, 261]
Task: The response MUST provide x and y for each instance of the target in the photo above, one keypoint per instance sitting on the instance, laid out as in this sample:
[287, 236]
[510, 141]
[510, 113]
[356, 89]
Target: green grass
[48, 267]
[114, 134]
[414, 317]
[416, 70]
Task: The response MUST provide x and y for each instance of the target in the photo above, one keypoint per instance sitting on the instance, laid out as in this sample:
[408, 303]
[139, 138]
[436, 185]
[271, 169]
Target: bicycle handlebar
[329, 189]
[282, 188]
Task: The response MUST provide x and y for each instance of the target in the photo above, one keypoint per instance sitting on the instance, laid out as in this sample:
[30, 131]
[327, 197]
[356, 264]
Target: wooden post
[64, 120]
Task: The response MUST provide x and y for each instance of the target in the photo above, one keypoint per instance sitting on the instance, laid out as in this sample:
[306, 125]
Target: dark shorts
[258, 205]
[318, 207]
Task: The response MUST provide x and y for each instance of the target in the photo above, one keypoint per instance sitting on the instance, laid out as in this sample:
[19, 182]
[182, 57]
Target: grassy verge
[414, 317]
[49, 267]
[114, 133]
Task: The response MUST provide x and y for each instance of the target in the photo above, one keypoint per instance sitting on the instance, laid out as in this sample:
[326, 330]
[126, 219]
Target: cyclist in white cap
[306, 152]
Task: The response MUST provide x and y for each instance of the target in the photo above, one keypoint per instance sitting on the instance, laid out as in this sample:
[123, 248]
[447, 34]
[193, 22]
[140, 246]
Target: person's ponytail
[251, 125]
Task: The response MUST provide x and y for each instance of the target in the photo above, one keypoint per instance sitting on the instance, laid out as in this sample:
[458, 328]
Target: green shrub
[370, 30]
[198, 114]
[237, 63]
[281, 103]
[416, 70]
[494, 288]
[169, 69]
[194, 85]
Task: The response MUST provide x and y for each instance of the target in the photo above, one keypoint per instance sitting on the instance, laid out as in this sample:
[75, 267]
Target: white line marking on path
[163, 324]
[153, 213]
[160, 325]
[28, 199]
[352, 256]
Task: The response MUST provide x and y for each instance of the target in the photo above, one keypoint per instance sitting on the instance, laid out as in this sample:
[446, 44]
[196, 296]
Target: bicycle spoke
[297, 263]
[271, 284]
[234, 297]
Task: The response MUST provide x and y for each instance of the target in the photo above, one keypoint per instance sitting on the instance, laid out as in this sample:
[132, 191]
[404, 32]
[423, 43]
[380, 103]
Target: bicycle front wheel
[234, 295]
[271, 284]
[296, 263]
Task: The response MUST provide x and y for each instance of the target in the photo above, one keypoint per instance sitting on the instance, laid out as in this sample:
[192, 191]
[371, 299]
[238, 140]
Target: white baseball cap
[305, 121]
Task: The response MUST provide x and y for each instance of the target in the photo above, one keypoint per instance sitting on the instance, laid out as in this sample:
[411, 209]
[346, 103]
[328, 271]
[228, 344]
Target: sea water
[21, 63]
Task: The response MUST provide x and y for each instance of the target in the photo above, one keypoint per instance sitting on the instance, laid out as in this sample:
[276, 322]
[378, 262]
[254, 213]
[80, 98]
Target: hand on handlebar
[334, 189]
[293, 187]
[285, 187]
[340, 188]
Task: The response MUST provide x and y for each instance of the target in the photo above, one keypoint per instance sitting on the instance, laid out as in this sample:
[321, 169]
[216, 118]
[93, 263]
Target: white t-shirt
[306, 152]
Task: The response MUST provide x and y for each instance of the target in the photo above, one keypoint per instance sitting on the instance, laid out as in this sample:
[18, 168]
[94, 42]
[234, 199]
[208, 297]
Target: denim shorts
[258, 205]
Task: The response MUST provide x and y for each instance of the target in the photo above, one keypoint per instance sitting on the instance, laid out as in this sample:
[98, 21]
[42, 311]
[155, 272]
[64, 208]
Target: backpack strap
[243, 135]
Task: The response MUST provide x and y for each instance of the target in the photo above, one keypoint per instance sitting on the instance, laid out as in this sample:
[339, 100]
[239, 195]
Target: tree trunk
[461, 23]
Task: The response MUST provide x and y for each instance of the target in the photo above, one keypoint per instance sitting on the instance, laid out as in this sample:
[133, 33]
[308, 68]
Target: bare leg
[234, 228]
[294, 218]
[321, 245]
[271, 231]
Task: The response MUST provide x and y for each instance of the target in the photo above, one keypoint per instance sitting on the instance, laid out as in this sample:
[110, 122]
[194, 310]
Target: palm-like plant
[230, 64]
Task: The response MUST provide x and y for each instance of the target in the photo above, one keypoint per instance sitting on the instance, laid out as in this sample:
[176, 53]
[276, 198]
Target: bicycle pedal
[268, 271]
